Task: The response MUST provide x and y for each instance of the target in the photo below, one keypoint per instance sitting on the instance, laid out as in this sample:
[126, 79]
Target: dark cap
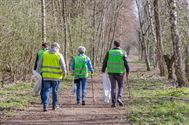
[45, 44]
[116, 43]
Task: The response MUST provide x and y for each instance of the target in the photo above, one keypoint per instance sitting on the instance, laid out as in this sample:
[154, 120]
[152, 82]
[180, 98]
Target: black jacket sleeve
[126, 63]
[36, 60]
[104, 64]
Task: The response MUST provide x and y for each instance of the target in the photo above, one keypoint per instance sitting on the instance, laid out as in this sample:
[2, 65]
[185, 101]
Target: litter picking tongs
[94, 101]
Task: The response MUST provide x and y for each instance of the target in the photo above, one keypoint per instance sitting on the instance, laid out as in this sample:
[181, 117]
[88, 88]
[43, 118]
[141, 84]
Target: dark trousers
[119, 78]
[41, 93]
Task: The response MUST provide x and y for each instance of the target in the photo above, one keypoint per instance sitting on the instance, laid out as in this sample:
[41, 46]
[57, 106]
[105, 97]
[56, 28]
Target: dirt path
[71, 114]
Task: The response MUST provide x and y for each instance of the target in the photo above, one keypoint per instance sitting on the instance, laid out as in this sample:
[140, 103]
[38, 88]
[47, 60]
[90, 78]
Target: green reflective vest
[115, 63]
[40, 53]
[51, 67]
[80, 66]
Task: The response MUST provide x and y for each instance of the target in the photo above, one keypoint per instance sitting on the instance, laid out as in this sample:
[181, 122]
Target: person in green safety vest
[117, 67]
[38, 57]
[80, 65]
[40, 53]
[53, 69]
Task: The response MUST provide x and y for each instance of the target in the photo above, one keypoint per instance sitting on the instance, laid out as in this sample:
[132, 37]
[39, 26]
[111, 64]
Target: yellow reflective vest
[51, 67]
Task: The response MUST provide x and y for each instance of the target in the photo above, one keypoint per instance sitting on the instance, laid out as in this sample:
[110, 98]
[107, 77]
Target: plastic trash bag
[73, 91]
[38, 82]
[107, 88]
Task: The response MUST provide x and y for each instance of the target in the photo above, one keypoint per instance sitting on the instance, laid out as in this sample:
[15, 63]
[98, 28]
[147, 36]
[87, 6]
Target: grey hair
[55, 45]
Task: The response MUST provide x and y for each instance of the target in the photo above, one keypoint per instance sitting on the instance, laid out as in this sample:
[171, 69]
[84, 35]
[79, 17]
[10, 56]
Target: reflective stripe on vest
[115, 62]
[80, 66]
[51, 68]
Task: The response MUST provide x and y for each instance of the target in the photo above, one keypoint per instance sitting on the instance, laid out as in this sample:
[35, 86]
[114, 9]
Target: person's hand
[72, 73]
[63, 76]
[127, 75]
[92, 74]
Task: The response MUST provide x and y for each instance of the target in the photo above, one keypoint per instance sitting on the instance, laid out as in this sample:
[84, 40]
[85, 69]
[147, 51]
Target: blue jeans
[81, 83]
[47, 85]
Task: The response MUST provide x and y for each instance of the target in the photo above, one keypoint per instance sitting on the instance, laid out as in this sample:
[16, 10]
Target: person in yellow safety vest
[80, 65]
[53, 70]
[38, 57]
[117, 66]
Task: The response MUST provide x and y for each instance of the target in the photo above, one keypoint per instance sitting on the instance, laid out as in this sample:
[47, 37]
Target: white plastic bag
[38, 82]
[107, 88]
[73, 91]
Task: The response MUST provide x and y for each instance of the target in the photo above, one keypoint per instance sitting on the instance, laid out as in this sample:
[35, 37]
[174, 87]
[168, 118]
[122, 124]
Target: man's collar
[116, 48]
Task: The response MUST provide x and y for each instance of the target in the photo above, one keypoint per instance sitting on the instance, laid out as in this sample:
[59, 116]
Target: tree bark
[159, 46]
[142, 39]
[187, 61]
[65, 31]
[169, 62]
[153, 50]
[43, 21]
[93, 39]
[187, 43]
[179, 70]
[146, 53]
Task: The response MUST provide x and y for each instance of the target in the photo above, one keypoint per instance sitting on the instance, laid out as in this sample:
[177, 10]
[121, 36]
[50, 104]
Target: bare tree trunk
[93, 39]
[55, 21]
[43, 15]
[146, 53]
[65, 31]
[99, 49]
[158, 38]
[187, 43]
[142, 39]
[169, 62]
[115, 18]
[140, 47]
[150, 9]
[187, 61]
[179, 70]
[101, 44]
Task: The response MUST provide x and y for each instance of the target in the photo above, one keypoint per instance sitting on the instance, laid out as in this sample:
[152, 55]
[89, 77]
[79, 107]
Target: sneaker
[113, 105]
[45, 109]
[83, 102]
[78, 103]
[120, 102]
[55, 107]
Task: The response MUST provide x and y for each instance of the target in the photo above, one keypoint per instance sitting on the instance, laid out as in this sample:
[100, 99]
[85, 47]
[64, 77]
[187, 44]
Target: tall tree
[144, 27]
[159, 45]
[179, 69]
[65, 31]
[43, 20]
[187, 42]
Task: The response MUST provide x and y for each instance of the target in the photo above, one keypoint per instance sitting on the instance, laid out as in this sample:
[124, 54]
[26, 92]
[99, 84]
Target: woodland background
[154, 30]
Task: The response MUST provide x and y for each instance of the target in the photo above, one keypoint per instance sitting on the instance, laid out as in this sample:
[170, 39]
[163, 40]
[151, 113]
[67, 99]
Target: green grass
[19, 96]
[153, 105]
[16, 97]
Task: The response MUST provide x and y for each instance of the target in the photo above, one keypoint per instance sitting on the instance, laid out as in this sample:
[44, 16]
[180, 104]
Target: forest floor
[154, 100]
[71, 114]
